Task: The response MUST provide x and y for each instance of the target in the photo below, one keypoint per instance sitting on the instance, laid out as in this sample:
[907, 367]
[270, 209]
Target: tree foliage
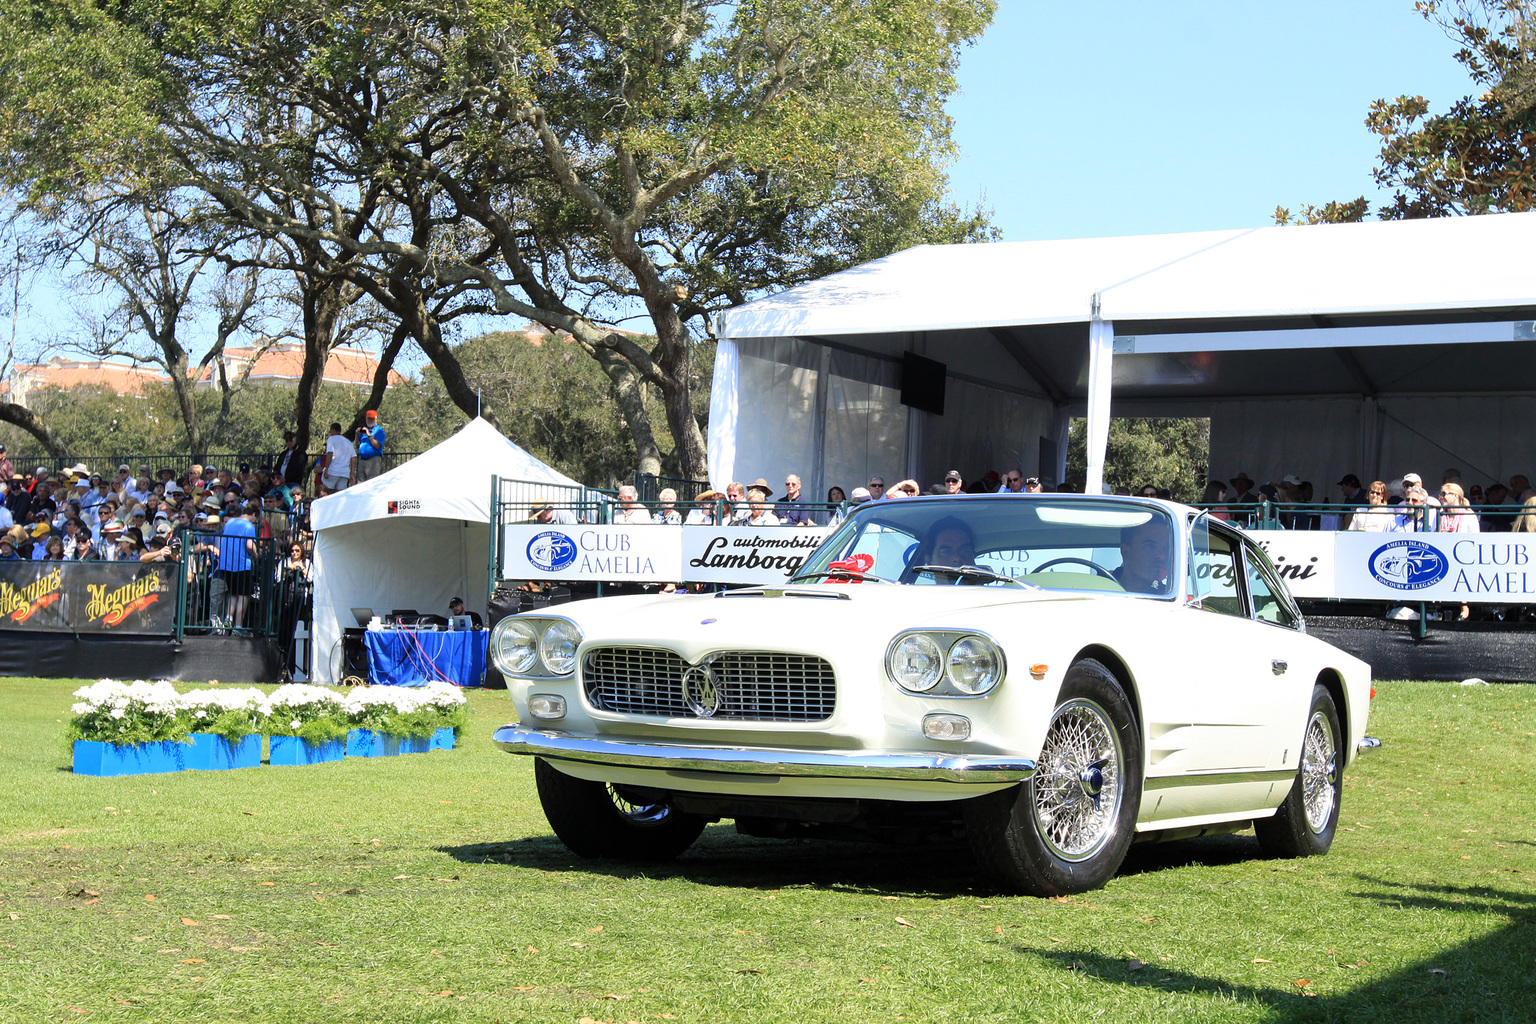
[569, 164]
[1479, 156]
[1171, 453]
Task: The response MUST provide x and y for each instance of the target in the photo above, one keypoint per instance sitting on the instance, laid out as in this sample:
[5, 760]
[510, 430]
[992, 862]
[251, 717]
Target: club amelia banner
[657, 554]
[1486, 568]
[88, 597]
[1489, 568]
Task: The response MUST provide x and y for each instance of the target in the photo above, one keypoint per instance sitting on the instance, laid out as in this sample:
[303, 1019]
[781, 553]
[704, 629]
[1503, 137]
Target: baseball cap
[860, 494]
[1292, 479]
[370, 414]
[953, 474]
[1412, 478]
[1349, 480]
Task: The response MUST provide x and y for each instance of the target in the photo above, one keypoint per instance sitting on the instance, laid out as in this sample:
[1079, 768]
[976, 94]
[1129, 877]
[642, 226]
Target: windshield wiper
[972, 572]
[839, 574]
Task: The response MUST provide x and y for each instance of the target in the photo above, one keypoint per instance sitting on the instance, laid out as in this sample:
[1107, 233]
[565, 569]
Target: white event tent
[415, 536]
[1373, 348]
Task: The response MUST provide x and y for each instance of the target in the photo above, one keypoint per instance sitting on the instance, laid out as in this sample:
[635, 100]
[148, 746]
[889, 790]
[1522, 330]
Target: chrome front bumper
[763, 761]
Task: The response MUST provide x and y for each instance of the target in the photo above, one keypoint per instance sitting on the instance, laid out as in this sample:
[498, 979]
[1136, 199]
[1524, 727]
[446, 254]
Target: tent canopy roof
[1275, 311]
[449, 481]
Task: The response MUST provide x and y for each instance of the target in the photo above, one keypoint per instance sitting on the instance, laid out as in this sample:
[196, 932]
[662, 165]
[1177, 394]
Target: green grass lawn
[429, 888]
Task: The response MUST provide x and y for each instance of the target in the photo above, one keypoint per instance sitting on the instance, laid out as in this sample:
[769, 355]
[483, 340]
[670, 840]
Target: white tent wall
[386, 564]
[984, 429]
[835, 417]
[1487, 437]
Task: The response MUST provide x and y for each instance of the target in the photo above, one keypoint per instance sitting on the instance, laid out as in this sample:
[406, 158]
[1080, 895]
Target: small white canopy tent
[413, 537]
[1370, 348]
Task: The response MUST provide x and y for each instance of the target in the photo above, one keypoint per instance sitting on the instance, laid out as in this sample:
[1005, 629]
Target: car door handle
[1278, 667]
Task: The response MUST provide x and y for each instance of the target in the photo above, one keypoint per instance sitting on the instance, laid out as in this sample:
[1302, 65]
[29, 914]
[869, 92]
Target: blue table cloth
[408, 657]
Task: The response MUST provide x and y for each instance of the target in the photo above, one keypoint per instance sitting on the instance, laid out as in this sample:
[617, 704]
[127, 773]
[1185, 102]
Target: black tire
[1053, 835]
[1308, 818]
[594, 819]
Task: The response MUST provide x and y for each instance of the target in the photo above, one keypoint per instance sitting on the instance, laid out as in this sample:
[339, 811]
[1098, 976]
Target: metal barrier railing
[215, 597]
[1276, 515]
[650, 487]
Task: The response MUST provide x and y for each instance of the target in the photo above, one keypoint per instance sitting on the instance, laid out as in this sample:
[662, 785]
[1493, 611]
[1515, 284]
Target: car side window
[1217, 568]
[1268, 604]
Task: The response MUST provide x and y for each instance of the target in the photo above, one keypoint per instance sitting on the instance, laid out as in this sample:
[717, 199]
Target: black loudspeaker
[354, 656]
[922, 383]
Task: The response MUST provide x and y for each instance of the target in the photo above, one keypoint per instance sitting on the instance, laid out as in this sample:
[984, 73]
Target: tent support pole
[1101, 358]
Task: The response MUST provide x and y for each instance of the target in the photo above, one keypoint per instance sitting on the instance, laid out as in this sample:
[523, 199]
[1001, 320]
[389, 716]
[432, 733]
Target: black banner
[88, 597]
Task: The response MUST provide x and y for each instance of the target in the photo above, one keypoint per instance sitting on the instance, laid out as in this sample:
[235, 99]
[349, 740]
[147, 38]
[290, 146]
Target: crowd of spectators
[1401, 505]
[214, 520]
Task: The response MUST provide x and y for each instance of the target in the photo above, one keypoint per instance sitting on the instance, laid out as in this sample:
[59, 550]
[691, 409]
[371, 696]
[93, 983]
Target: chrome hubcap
[1077, 791]
[638, 814]
[1319, 772]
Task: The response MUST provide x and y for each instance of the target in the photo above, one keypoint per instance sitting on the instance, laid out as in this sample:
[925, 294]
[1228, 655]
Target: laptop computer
[458, 622]
[363, 616]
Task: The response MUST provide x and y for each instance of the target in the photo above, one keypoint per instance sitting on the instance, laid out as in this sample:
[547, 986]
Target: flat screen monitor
[362, 615]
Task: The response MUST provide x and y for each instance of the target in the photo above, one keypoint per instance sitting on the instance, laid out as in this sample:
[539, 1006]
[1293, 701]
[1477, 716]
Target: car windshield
[1049, 542]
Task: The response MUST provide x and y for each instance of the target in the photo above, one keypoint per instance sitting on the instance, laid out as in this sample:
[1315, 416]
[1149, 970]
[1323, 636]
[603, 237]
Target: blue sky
[1103, 117]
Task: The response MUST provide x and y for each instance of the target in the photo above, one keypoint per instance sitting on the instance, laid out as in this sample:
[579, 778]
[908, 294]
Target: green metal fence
[267, 600]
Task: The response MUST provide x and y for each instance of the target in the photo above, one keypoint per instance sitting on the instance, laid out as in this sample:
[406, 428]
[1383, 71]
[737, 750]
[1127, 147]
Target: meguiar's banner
[88, 597]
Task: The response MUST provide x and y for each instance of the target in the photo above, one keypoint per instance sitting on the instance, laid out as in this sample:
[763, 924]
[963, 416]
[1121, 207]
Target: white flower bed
[140, 711]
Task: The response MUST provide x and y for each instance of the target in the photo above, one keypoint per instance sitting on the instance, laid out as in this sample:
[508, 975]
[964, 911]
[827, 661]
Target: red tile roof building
[281, 364]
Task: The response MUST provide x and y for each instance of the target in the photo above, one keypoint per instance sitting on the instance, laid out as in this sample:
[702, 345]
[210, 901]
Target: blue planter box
[415, 744]
[443, 739]
[210, 753]
[290, 750]
[372, 743]
[93, 757]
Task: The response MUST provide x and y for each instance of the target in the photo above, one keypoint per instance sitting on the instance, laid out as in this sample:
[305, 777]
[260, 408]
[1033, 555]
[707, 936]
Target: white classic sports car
[1062, 674]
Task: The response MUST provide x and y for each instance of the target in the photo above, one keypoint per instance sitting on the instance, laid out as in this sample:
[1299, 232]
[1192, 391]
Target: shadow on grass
[724, 858]
[1484, 979]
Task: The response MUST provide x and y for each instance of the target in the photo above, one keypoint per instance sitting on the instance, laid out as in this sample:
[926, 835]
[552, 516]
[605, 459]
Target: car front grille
[754, 686]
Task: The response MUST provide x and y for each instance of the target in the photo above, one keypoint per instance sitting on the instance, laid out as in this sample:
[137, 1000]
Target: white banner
[1304, 558]
[743, 554]
[1488, 568]
[657, 554]
[638, 554]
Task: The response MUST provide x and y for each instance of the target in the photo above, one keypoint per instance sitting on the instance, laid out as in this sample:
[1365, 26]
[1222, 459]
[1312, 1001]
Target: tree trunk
[21, 416]
[381, 375]
[429, 336]
[674, 358]
[184, 390]
[626, 386]
[322, 305]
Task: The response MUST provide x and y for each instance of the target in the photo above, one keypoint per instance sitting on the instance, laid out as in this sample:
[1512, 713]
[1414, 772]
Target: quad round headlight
[975, 665]
[558, 646]
[515, 645]
[916, 662]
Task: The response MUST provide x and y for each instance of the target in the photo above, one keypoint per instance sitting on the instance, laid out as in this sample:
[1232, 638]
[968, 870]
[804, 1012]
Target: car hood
[794, 618]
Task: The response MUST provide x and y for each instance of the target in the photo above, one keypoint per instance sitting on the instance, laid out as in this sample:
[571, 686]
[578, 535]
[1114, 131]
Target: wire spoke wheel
[643, 815]
[1077, 789]
[1306, 820]
[1319, 771]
